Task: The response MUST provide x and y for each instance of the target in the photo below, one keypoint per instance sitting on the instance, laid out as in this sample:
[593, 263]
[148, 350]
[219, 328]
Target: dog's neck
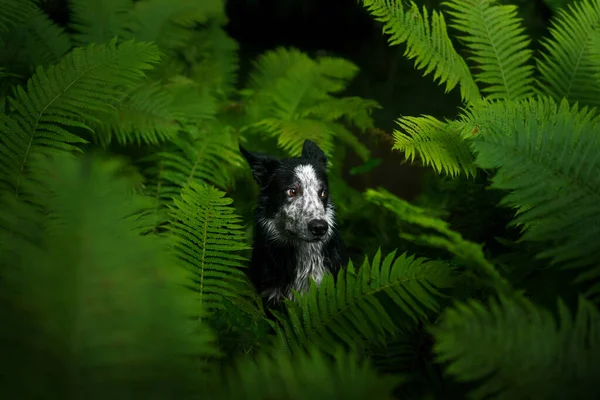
[310, 264]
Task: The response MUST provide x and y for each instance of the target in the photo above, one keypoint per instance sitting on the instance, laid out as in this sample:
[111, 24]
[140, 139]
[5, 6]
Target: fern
[427, 42]
[36, 42]
[512, 349]
[63, 97]
[15, 12]
[208, 155]
[351, 311]
[155, 113]
[96, 309]
[304, 376]
[99, 21]
[169, 23]
[439, 144]
[437, 233]
[568, 65]
[495, 36]
[551, 167]
[208, 237]
[292, 101]
[214, 60]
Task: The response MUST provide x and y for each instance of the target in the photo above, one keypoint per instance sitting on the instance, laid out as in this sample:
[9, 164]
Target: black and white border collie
[295, 236]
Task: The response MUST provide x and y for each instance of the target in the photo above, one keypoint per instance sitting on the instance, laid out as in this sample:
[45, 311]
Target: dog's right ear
[262, 165]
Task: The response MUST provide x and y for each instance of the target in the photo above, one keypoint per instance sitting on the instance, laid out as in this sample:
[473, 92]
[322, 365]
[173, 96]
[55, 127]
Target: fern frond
[170, 23]
[98, 21]
[96, 307]
[36, 42]
[350, 311]
[15, 12]
[308, 376]
[550, 166]
[292, 95]
[567, 66]
[207, 237]
[439, 235]
[513, 349]
[207, 155]
[496, 37]
[438, 144]
[154, 113]
[427, 42]
[63, 97]
[214, 59]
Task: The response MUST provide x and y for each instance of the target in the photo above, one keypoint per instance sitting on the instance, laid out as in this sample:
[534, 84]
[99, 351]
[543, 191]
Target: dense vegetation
[126, 218]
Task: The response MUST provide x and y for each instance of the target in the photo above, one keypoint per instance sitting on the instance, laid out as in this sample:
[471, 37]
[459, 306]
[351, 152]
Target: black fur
[274, 261]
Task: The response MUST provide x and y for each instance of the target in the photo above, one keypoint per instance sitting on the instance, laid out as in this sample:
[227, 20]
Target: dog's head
[294, 200]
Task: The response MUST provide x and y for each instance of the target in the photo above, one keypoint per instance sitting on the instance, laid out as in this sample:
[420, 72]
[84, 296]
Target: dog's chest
[310, 264]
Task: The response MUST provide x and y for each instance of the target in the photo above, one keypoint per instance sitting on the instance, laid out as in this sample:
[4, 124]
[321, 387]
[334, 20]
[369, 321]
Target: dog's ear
[262, 165]
[311, 151]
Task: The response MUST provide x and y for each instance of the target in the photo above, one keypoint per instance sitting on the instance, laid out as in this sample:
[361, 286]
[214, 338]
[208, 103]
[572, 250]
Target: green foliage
[291, 99]
[122, 268]
[14, 12]
[569, 63]
[427, 42]
[550, 166]
[439, 144]
[208, 237]
[65, 96]
[306, 376]
[86, 289]
[435, 232]
[495, 36]
[352, 311]
[513, 349]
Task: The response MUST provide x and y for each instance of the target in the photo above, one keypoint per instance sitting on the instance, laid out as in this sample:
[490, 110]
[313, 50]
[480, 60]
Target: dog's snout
[318, 227]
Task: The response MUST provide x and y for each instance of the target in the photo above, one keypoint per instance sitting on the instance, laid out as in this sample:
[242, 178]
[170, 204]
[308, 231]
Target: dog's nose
[318, 227]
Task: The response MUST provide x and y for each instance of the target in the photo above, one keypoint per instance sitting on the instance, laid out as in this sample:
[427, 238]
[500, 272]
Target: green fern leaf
[214, 59]
[495, 36]
[441, 145]
[513, 349]
[208, 155]
[550, 165]
[170, 23]
[98, 21]
[427, 42]
[568, 65]
[97, 308]
[15, 12]
[155, 113]
[292, 99]
[308, 376]
[36, 42]
[63, 97]
[207, 238]
[350, 311]
[439, 235]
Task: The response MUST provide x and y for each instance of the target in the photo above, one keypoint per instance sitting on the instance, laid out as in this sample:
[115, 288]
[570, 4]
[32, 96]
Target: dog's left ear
[311, 151]
[262, 165]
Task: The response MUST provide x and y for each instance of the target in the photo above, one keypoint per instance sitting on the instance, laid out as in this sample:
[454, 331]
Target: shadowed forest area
[463, 143]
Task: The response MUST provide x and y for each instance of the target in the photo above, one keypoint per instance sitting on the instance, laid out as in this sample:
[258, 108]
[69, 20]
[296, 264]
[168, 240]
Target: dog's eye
[324, 194]
[292, 192]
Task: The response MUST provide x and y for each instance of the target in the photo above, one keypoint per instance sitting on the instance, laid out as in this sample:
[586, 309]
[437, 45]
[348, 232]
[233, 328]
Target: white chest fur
[310, 264]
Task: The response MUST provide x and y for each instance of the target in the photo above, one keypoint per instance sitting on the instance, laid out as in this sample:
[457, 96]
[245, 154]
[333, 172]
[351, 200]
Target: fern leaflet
[427, 41]
[351, 308]
[495, 36]
[62, 97]
[512, 341]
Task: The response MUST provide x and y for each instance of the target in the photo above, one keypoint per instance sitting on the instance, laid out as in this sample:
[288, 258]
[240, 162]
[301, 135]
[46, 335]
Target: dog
[295, 236]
